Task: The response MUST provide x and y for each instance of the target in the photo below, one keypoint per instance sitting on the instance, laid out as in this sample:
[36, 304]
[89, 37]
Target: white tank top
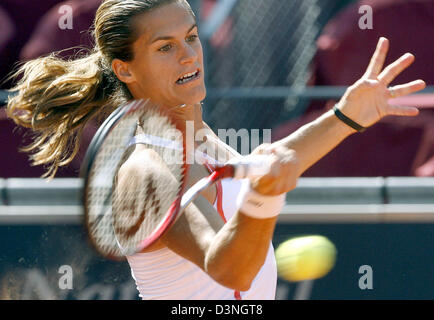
[164, 275]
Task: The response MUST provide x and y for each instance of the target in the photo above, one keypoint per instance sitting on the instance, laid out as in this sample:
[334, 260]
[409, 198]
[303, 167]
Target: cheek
[156, 75]
[162, 70]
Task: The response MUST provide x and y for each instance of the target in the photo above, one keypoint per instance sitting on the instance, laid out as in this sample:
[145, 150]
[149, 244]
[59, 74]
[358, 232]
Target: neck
[190, 113]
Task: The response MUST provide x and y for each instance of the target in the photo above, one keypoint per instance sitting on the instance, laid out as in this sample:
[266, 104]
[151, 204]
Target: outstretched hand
[367, 101]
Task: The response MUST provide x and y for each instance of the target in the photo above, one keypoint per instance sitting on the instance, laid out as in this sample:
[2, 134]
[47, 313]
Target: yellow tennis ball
[305, 258]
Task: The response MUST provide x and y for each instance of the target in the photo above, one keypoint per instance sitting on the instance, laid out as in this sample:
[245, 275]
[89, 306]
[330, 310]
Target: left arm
[365, 102]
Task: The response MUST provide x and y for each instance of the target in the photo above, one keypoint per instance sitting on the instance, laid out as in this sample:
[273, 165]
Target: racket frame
[89, 160]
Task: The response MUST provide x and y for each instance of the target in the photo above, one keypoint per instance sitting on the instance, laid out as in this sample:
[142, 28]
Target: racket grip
[251, 166]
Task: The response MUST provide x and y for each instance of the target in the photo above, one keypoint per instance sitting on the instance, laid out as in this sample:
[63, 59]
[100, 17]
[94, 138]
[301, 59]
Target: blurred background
[270, 64]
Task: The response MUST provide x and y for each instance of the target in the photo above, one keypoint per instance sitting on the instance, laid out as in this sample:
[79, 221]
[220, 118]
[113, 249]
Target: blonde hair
[56, 98]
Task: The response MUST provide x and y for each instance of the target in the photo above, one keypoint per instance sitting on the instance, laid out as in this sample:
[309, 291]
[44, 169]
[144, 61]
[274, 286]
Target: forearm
[315, 139]
[238, 250]
[231, 253]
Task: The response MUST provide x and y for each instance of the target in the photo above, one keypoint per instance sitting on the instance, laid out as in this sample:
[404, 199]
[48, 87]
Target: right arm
[232, 253]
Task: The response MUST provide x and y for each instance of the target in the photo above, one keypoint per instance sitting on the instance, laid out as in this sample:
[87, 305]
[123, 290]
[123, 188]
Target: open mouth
[188, 77]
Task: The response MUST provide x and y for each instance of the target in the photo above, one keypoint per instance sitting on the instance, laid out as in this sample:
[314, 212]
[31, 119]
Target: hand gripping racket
[124, 214]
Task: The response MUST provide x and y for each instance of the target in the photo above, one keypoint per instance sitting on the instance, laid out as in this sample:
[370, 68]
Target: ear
[122, 71]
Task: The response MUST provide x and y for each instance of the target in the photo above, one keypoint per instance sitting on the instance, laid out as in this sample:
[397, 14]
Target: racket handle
[251, 166]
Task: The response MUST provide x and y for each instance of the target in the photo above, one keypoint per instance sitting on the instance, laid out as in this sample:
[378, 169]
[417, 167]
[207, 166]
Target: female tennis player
[220, 247]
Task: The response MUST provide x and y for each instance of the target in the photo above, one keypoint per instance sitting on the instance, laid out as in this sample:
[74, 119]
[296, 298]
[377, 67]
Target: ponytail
[57, 98]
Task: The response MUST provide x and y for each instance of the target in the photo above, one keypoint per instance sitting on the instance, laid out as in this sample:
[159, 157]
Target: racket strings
[136, 209]
[100, 185]
[124, 212]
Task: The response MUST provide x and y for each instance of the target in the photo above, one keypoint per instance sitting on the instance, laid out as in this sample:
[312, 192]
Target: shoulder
[143, 163]
[135, 160]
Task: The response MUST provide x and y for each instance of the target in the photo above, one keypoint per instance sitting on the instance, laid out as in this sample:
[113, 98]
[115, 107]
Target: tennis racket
[125, 218]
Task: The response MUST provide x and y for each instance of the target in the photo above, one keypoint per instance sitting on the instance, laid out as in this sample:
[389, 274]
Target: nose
[188, 54]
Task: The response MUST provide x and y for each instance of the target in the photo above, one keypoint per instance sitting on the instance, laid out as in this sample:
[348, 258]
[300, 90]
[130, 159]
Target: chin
[195, 97]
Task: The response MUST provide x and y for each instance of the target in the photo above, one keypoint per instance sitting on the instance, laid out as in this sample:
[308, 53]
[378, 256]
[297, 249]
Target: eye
[192, 38]
[166, 48]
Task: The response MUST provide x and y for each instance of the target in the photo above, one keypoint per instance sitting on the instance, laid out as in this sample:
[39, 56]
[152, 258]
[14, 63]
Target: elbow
[233, 278]
[234, 282]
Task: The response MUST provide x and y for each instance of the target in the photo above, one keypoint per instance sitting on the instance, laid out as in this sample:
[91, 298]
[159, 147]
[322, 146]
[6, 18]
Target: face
[168, 58]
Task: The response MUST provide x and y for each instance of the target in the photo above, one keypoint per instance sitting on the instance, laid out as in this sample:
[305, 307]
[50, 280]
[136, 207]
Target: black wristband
[348, 121]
